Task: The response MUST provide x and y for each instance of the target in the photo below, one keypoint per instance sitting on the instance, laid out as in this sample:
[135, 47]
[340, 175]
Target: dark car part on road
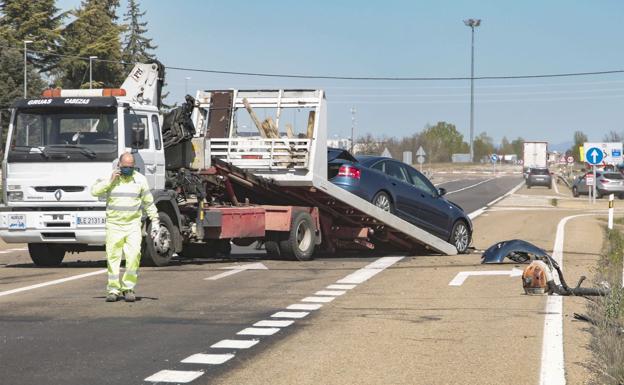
[538, 277]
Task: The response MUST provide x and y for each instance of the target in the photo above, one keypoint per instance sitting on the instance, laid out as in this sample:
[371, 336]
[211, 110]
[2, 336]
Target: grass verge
[607, 342]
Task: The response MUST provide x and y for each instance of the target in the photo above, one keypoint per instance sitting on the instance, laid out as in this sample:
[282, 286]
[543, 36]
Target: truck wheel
[46, 254]
[149, 255]
[301, 239]
[272, 245]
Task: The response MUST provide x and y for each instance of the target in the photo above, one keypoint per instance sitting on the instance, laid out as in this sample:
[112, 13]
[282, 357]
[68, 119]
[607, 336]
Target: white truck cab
[56, 148]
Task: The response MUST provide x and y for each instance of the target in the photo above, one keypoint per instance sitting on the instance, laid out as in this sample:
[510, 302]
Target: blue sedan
[402, 190]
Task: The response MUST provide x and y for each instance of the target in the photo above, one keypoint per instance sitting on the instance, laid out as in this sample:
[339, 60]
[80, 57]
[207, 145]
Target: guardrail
[262, 153]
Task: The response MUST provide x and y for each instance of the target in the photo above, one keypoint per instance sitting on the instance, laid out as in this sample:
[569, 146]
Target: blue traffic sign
[494, 158]
[594, 155]
[616, 153]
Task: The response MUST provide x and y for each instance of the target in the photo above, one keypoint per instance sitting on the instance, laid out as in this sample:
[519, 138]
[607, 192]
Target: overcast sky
[409, 39]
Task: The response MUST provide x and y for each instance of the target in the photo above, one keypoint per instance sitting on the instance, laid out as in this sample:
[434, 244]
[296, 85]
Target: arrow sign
[462, 276]
[594, 155]
[237, 269]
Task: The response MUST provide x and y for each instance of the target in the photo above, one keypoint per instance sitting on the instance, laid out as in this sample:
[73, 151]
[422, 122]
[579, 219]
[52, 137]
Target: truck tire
[149, 255]
[301, 239]
[46, 254]
[272, 249]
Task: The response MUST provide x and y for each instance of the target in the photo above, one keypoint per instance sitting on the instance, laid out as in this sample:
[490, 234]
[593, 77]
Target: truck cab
[58, 145]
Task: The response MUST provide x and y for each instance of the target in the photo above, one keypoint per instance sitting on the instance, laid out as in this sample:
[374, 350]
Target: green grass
[607, 341]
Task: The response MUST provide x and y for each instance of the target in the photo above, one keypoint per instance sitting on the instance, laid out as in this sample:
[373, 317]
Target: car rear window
[539, 171]
[612, 175]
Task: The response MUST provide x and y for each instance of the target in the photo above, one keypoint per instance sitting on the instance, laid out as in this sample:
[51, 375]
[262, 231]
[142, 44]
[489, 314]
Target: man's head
[126, 163]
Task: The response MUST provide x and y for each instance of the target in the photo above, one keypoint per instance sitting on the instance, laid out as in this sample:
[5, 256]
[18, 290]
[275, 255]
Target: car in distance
[539, 176]
[607, 182]
[400, 189]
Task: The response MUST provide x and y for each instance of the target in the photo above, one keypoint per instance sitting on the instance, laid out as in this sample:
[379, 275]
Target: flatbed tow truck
[219, 175]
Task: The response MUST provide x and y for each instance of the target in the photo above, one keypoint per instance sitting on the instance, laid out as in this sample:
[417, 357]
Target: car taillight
[604, 180]
[349, 172]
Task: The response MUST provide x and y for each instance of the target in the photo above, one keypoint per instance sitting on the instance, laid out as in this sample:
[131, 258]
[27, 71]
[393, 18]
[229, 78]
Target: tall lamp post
[186, 79]
[25, 68]
[91, 71]
[472, 23]
[353, 111]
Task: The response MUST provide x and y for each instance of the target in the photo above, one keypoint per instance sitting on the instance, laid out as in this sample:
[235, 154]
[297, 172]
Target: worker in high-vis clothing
[127, 196]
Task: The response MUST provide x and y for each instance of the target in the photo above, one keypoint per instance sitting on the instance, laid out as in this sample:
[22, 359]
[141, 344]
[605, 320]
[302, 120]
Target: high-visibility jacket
[126, 198]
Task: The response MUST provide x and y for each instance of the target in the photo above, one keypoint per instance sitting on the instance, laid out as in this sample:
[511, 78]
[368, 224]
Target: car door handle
[151, 168]
[393, 183]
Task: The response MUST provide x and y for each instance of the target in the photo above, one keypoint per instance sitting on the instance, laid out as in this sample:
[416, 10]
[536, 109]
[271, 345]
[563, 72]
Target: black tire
[301, 239]
[575, 192]
[272, 249]
[46, 254]
[149, 255]
[383, 201]
[461, 236]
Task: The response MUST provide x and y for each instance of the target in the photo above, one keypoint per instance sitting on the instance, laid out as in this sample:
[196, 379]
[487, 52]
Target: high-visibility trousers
[123, 241]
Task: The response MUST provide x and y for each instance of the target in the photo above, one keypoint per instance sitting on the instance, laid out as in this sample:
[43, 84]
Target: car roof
[370, 159]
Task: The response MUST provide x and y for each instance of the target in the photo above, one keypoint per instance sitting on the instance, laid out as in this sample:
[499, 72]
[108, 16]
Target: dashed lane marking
[174, 376]
[258, 331]
[235, 344]
[273, 323]
[208, 359]
[305, 306]
[330, 292]
[318, 299]
[290, 314]
[341, 287]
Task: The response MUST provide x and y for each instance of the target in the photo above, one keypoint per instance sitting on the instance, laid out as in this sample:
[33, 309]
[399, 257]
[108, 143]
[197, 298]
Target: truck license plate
[90, 221]
[17, 222]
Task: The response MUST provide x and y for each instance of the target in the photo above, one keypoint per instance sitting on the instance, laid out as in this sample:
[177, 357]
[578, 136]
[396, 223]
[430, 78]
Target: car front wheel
[460, 236]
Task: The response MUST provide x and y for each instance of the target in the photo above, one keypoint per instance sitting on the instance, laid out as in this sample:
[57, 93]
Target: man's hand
[115, 175]
[155, 229]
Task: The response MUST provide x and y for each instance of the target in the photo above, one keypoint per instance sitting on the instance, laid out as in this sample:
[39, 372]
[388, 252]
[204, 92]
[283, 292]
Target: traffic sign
[494, 158]
[570, 159]
[563, 161]
[594, 155]
[520, 162]
[589, 179]
[420, 159]
[611, 152]
[421, 151]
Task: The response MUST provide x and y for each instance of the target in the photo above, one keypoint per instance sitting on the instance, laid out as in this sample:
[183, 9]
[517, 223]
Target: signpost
[494, 159]
[570, 159]
[420, 157]
[595, 155]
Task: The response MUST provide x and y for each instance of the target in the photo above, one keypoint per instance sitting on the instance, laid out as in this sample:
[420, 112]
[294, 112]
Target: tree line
[440, 142]
[60, 42]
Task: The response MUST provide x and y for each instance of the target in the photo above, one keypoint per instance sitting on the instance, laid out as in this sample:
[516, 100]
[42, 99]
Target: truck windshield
[66, 134]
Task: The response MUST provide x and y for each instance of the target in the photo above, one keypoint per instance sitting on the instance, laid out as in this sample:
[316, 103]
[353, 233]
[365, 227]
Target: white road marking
[50, 283]
[305, 306]
[235, 344]
[461, 277]
[7, 251]
[482, 210]
[175, 376]
[290, 314]
[318, 299]
[237, 269]
[469, 187]
[208, 359]
[273, 323]
[552, 371]
[258, 331]
[341, 287]
[476, 213]
[370, 270]
[330, 292]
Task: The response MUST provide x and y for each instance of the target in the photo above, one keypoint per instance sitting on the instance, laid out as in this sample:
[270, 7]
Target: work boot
[112, 297]
[129, 296]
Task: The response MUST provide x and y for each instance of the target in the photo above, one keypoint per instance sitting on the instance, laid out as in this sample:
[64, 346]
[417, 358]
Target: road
[403, 324]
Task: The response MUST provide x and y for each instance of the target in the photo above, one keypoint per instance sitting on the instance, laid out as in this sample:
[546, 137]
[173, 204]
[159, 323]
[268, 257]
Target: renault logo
[58, 194]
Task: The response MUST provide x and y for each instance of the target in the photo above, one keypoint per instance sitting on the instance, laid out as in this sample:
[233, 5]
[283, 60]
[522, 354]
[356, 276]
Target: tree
[613, 136]
[12, 80]
[93, 32]
[39, 21]
[137, 47]
[367, 145]
[579, 139]
[441, 141]
[517, 146]
[483, 146]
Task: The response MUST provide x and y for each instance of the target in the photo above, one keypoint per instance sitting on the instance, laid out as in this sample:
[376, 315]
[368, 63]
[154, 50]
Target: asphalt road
[66, 334]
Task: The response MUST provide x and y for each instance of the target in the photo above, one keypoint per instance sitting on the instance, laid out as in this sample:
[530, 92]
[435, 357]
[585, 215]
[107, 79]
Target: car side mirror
[441, 191]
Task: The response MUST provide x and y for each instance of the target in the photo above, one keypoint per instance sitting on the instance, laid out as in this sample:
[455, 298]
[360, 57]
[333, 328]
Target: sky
[394, 38]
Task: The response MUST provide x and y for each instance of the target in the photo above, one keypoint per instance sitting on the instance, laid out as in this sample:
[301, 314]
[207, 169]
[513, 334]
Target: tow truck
[227, 167]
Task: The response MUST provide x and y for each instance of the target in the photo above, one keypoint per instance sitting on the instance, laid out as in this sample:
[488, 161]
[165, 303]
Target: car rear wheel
[383, 201]
[460, 236]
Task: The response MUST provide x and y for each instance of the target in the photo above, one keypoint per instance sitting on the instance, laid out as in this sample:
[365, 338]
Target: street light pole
[186, 79]
[25, 68]
[353, 111]
[472, 23]
[91, 71]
